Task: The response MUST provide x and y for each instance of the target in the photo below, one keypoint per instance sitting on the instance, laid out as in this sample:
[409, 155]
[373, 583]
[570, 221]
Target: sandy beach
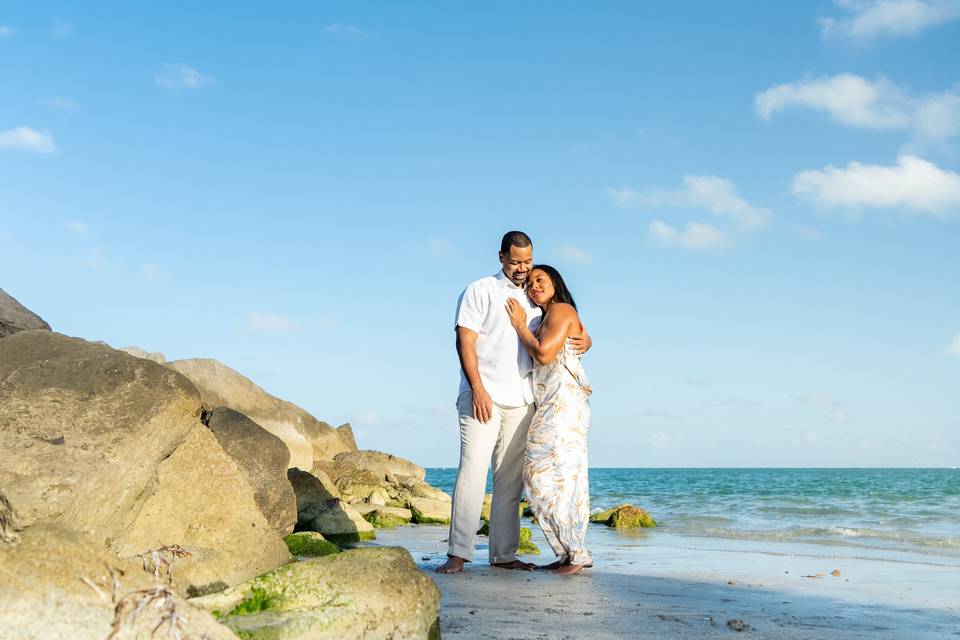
[652, 584]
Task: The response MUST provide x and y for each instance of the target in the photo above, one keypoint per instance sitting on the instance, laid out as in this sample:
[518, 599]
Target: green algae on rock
[527, 548]
[371, 592]
[429, 511]
[309, 544]
[385, 518]
[624, 516]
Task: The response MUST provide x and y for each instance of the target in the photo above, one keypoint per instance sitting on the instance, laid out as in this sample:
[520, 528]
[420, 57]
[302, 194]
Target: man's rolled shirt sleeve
[471, 309]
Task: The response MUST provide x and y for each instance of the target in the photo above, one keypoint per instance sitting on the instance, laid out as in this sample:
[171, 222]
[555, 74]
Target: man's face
[517, 263]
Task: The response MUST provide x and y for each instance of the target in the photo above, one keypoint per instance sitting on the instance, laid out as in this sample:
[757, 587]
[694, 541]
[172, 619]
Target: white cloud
[152, 272]
[954, 348]
[717, 195]
[811, 437]
[440, 246]
[570, 253]
[839, 416]
[701, 236]
[27, 139]
[63, 104]
[340, 29]
[181, 76]
[97, 260]
[366, 416]
[658, 440]
[867, 19]
[817, 399]
[79, 229]
[913, 184]
[62, 29]
[872, 104]
[257, 322]
[5, 31]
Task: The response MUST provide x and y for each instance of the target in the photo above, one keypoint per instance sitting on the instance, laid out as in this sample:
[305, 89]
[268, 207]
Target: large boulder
[57, 585]
[307, 438]
[15, 317]
[373, 593]
[263, 459]
[112, 446]
[380, 463]
[156, 356]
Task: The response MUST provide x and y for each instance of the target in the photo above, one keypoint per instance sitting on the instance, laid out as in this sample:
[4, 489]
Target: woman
[555, 469]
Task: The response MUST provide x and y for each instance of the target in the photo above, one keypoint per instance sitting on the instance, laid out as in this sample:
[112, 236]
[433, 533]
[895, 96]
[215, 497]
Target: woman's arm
[554, 331]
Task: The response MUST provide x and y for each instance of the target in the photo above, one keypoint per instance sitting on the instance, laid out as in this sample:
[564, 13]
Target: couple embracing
[522, 406]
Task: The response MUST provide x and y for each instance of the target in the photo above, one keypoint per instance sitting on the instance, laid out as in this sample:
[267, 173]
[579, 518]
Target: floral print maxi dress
[555, 468]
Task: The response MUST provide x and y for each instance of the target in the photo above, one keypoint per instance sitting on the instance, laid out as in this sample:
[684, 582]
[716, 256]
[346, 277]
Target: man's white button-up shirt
[505, 366]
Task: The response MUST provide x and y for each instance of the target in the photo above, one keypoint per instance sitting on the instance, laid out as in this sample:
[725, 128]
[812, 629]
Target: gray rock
[307, 438]
[262, 458]
[372, 593]
[9, 523]
[56, 585]
[147, 355]
[15, 317]
[113, 446]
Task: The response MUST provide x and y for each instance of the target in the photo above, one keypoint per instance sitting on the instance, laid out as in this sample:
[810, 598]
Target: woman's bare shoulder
[563, 311]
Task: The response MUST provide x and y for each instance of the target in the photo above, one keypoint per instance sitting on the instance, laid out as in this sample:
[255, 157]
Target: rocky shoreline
[140, 498]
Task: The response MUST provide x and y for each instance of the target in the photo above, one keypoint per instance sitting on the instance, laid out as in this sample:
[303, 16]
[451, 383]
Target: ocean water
[914, 510]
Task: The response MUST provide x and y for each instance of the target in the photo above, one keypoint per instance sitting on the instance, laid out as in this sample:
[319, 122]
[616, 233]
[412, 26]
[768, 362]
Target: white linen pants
[502, 442]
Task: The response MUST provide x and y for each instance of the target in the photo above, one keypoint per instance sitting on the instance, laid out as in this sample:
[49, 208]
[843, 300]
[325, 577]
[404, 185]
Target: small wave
[864, 537]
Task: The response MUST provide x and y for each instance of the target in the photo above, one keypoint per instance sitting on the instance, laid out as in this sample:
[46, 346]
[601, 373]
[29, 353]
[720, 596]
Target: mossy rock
[527, 548]
[309, 544]
[383, 519]
[624, 516]
[484, 529]
[347, 538]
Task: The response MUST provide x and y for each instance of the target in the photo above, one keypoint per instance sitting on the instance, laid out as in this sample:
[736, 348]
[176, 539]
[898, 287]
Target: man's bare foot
[454, 564]
[556, 564]
[569, 569]
[515, 564]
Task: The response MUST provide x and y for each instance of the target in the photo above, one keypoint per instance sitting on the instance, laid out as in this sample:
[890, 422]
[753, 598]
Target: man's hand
[582, 343]
[482, 405]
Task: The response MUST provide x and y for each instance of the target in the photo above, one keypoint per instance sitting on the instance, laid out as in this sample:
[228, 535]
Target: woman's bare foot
[454, 564]
[569, 569]
[516, 564]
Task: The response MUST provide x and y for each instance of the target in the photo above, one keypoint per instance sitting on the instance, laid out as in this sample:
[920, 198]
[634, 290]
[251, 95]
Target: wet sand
[653, 584]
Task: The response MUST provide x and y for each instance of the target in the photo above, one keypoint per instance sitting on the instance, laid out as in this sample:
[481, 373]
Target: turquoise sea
[913, 510]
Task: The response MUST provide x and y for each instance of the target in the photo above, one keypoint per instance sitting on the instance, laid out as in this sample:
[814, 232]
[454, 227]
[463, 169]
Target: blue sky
[756, 204]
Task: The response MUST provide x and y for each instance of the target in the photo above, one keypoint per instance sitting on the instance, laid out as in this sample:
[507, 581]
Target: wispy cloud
[182, 76]
[868, 19]
[27, 139]
[341, 29]
[853, 100]
[440, 246]
[152, 272]
[658, 440]
[817, 399]
[97, 260]
[914, 185]
[79, 229]
[954, 348]
[262, 323]
[5, 31]
[63, 104]
[571, 253]
[717, 195]
[61, 29]
[365, 417]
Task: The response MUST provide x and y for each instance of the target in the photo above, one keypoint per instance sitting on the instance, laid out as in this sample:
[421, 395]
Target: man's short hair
[514, 239]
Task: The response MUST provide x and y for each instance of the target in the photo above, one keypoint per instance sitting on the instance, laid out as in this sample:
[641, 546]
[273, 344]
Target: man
[495, 406]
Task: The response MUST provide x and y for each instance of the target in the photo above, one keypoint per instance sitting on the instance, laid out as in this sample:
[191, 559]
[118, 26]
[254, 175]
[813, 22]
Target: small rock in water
[737, 625]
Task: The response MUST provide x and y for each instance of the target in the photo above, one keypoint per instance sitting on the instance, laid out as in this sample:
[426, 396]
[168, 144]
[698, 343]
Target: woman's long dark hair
[560, 291]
